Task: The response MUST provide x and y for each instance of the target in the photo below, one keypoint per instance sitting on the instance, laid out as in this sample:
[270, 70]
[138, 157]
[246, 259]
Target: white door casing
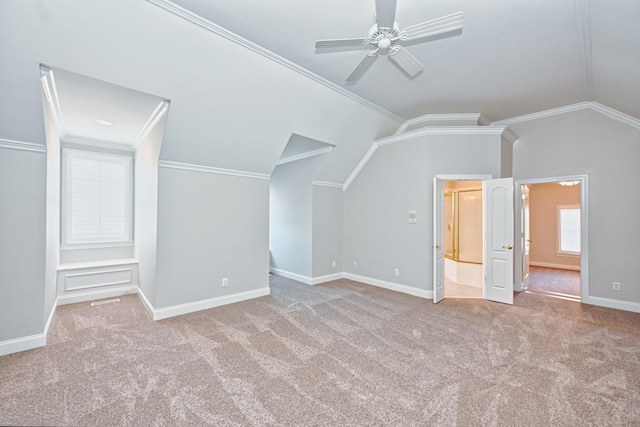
[499, 242]
[525, 234]
[438, 239]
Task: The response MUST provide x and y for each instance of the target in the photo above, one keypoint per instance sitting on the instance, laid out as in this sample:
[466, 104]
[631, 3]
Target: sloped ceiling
[514, 57]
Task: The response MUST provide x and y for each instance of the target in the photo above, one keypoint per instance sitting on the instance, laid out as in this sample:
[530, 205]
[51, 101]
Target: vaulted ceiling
[513, 57]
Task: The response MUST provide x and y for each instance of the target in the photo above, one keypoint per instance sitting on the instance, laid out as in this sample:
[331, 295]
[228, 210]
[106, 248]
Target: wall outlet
[225, 281]
[333, 264]
[355, 264]
[396, 272]
[616, 286]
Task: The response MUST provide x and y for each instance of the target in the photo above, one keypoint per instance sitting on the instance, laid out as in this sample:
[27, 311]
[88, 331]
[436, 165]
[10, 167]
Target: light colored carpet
[339, 354]
[554, 280]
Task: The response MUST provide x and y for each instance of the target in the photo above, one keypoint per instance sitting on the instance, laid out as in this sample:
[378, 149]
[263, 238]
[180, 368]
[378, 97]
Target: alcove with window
[103, 147]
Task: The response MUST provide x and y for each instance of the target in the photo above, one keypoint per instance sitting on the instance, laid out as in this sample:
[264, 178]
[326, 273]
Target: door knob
[507, 247]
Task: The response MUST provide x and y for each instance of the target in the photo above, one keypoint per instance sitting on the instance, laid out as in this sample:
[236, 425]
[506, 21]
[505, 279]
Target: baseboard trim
[293, 276]
[559, 266]
[180, 309]
[23, 344]
[327, 278]
[612, 303]
[422, 293]
[97, 294]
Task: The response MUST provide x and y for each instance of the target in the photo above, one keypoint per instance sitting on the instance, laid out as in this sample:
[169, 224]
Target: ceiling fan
[386, 37]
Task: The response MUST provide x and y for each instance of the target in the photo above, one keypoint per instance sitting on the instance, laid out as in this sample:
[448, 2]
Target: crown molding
[542, 114]
[594, 106]
[327, 184]
[210, 169]
[615, 114]
[51, 93]
[305, 155]
[22, 146]
[216, 29]
[154, 118]
[442, 130]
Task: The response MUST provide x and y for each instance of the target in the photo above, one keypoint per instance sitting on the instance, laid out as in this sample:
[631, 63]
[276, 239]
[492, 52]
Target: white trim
[422, 293]
[616, 115]
[442, 130]
[97, 264]
[305, 155]
[23, 344]
[210, 169]
[293, 276]
[594, 106]
[94, 295]
[210, 26]
[326, 278]
[360, 165]
[50, 319]
[476, 117]
[613, 303]
[510, 135]
[22, 146]
[51, 93]
[542, 114]
[180, 309]
[145, 302]
[327, 184]
[551, 265]
[461, 177]
[155, 116]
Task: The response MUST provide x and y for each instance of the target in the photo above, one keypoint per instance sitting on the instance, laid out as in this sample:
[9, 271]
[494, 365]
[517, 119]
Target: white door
[525, 234]
[498, 244]
[438, 239]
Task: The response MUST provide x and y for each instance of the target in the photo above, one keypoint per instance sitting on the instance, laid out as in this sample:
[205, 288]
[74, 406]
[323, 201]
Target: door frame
[584, 229]
[454, 177]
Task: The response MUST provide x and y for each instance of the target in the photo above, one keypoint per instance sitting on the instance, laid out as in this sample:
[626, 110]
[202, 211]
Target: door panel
[498, 252]
[438, 239]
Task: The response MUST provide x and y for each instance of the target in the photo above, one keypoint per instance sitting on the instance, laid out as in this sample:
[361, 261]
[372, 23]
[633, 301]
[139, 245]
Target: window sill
[77, 246]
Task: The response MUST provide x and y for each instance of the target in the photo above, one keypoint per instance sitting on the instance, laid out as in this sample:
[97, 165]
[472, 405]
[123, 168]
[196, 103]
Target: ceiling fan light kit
[385, 37]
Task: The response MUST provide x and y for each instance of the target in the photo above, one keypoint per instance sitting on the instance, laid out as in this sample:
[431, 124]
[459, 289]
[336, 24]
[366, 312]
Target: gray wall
[22, 243]
[210, 226]
[290, 215]
[399, 178]
[586, 142]
[327, 230]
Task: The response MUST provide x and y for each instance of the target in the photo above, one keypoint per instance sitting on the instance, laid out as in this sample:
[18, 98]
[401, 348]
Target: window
[568, 229]
[97, 198]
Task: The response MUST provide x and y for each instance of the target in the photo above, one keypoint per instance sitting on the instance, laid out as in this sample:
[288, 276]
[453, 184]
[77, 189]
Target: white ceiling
[514, 57]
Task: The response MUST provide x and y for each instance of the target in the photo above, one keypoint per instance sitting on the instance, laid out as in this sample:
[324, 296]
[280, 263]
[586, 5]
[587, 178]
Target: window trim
[559, 250]
[66, 241]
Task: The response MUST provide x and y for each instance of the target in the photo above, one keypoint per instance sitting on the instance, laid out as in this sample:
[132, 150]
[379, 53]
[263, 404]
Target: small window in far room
[568, 229]
[97, 199]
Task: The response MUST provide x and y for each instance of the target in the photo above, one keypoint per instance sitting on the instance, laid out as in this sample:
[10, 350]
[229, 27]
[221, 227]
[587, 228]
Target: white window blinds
[98, 198]
[569, 230]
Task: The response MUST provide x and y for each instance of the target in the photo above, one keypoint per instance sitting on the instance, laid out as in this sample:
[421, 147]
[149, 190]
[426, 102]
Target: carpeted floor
[554, 280]
[338, 354]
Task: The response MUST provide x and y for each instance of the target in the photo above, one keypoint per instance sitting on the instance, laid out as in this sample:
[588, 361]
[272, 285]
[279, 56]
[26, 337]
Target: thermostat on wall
[413, 217]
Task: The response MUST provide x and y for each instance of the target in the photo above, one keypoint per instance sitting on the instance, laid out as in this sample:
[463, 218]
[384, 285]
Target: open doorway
[553, 250]
[551, 238]
[463, 239]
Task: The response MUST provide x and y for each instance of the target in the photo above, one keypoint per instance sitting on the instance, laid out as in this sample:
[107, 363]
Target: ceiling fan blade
[385, 13]
[406, 61]
[322, 44]
[446, 24]
[363, 66]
